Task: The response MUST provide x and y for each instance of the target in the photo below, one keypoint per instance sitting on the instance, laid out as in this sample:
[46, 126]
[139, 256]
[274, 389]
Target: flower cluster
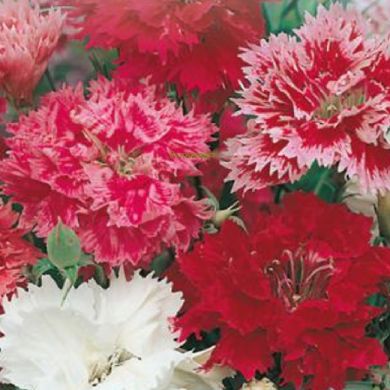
[321, 96]
[103, 167]
[297, 284]
[133, 256]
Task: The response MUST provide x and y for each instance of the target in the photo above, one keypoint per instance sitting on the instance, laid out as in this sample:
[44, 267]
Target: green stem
[50, 80]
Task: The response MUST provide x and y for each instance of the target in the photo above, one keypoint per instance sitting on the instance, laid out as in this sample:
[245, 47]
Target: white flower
[357, 201]
[264, 384]
[113, 339]
[189, 375]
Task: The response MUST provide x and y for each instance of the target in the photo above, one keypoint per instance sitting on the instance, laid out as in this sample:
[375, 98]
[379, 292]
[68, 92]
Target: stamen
[299, 276]
[101, 369]
[334, 104]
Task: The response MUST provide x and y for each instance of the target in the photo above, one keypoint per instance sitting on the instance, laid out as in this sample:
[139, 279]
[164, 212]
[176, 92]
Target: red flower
[297, 285]
[113, 168]
[193, 44]
[323, 97]
[15, 252]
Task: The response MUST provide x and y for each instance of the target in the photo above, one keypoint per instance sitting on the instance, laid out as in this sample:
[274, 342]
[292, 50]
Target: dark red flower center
[299, 276]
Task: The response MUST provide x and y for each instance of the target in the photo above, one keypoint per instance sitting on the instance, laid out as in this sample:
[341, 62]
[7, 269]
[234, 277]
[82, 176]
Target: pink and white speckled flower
[323, 97]
[111, 167]
[28, 37]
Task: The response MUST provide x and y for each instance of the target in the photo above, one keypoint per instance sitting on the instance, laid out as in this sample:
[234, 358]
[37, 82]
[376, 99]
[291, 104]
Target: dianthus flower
[112, 168]
[193, 44]
[15, 252]
[323, 97]
[102, 339]
[296, 285]
[28, 37]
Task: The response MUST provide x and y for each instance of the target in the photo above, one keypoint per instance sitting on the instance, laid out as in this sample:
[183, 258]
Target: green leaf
[63, 247]
[359, 386]
[85, 260]
[162, 262]
[43, 266]
[318, 180]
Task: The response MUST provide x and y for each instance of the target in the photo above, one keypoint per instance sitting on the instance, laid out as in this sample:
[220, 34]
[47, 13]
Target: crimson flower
[193, 43]
[322, 96]
[296, 285]
[112, 167]
[15, 252]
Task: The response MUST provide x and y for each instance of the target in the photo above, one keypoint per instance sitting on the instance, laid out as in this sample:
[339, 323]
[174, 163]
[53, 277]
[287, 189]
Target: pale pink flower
[28, 37]
[377, 12]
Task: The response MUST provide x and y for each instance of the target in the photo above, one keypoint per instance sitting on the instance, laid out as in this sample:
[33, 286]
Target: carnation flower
[323, 97]
[28, 37]
[118, 338]
[15, 252]
[193, 44]
[112, 168]
[296, 285]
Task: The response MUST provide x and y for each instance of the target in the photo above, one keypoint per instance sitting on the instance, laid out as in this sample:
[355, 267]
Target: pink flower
[193, 44]
[113, 168]
[28, 37]
[324, 98]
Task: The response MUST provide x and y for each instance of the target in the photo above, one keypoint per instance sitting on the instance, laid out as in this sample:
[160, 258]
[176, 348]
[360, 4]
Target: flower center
[102, 368]
[334, 104]
[121, 162]
[299, 276]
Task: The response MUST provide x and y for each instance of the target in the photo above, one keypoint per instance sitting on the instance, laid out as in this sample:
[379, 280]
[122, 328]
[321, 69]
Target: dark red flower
[193, 44]
[297, 284]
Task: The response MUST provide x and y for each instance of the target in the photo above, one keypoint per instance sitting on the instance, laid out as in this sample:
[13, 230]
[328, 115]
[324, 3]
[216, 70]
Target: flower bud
[63, 247]
[221, 216]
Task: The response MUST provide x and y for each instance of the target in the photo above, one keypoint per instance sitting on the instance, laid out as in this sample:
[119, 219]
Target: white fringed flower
[114, 339]
[190, 376]
[264, 384]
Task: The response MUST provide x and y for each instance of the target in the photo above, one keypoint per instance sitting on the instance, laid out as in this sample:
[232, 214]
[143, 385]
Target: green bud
[221, 216]
[63, 247]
